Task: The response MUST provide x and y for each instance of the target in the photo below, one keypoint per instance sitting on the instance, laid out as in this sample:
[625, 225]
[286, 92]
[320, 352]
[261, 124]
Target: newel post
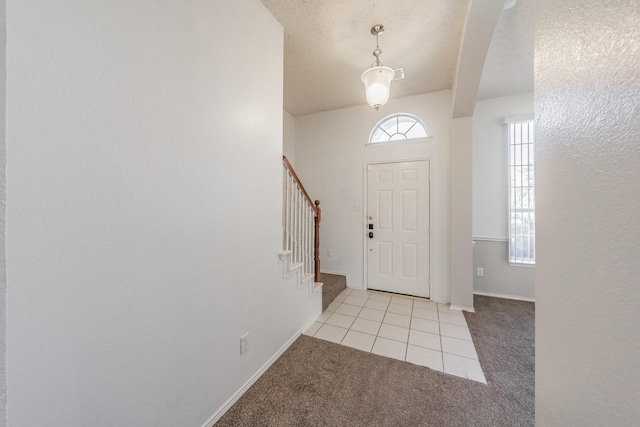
[316, 243]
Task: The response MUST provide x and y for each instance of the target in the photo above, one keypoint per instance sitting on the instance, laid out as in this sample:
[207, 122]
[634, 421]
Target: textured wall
[141, 135]
[508, 67]
[482, 18]
[588, 188]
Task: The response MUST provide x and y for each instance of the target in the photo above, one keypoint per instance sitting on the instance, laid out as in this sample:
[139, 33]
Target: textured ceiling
[328, 44]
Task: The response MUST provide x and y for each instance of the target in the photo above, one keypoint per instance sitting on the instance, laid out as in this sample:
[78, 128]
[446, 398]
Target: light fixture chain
[377, 52]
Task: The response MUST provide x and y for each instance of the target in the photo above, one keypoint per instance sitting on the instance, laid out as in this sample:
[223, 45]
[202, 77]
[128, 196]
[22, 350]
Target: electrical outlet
[480, 271]
[244, 343]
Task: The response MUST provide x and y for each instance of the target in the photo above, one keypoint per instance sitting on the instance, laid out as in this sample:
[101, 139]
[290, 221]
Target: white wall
[588, 186]
[501, 279]
[461, 213]
[3, 188]
[490, 172]
[480, 24]
[139, 137]
[330, 159]
[490, 199]
[289, 137]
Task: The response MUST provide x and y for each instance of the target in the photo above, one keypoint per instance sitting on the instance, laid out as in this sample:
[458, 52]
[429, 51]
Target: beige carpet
[318, 383]
[332, 285]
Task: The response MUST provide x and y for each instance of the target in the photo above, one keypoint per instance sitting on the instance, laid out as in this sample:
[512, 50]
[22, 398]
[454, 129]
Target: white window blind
[522, 237]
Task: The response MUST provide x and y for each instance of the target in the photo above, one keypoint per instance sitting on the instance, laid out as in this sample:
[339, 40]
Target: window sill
[522, 264]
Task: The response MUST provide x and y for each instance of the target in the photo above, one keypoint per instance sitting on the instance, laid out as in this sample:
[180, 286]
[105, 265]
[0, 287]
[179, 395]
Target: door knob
[371, 234]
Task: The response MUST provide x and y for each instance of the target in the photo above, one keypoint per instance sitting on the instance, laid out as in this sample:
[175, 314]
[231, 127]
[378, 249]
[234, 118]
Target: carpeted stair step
[333, 285]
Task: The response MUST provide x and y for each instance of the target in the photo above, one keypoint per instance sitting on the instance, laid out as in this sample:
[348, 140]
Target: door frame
[365, 208]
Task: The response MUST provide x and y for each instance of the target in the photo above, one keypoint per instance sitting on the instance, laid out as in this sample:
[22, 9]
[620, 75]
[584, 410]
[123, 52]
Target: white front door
[397, 231]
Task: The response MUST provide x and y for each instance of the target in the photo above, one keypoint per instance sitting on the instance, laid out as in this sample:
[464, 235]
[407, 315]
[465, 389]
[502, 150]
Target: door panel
[409, 210]
[410, 260]
[398, 208]
[385, 209]
[385, 259]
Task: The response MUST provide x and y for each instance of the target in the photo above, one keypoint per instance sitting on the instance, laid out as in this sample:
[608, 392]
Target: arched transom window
[398, 127]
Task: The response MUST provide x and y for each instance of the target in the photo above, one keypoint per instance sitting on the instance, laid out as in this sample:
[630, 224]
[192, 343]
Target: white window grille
[398, 127]
[522, 236]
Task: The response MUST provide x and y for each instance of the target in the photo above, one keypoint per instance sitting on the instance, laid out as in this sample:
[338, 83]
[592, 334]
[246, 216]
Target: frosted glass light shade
[377, 85]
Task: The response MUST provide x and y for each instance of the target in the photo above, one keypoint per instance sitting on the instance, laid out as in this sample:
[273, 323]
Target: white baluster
[310, 240]
[300, 236]
[306, 239]
[300, 219]
[296, 223]
[293, 221]
[309, 221]
[303, 220]
[289, 196]
[285, 204]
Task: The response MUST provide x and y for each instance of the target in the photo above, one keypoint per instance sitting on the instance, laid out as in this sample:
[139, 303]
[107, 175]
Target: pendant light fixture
[377, 79]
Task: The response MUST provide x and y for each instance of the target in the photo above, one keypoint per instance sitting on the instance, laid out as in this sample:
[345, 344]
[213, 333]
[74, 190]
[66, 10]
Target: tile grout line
[406, 350]
[412, 307]
[354, 320]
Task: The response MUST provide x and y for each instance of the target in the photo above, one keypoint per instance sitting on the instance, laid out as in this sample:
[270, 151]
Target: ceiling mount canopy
[377, 79]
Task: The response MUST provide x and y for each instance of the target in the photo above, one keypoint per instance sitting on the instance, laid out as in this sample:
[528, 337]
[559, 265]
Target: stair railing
[301, 223]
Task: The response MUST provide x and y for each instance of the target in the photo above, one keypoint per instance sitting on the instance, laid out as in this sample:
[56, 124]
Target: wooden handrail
[315, 206]
[304, 191]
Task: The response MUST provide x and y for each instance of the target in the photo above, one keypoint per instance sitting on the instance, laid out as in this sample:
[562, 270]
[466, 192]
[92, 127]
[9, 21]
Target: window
[522, 237]
[398, 127]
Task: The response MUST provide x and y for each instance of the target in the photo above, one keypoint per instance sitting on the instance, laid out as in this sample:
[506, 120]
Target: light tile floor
[414, 330]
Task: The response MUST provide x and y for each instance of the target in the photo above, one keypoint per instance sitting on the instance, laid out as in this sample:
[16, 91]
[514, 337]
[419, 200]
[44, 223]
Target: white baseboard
[504, 296]
[309, 323]
[339, 273]
[462, 308]
[238, 394]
